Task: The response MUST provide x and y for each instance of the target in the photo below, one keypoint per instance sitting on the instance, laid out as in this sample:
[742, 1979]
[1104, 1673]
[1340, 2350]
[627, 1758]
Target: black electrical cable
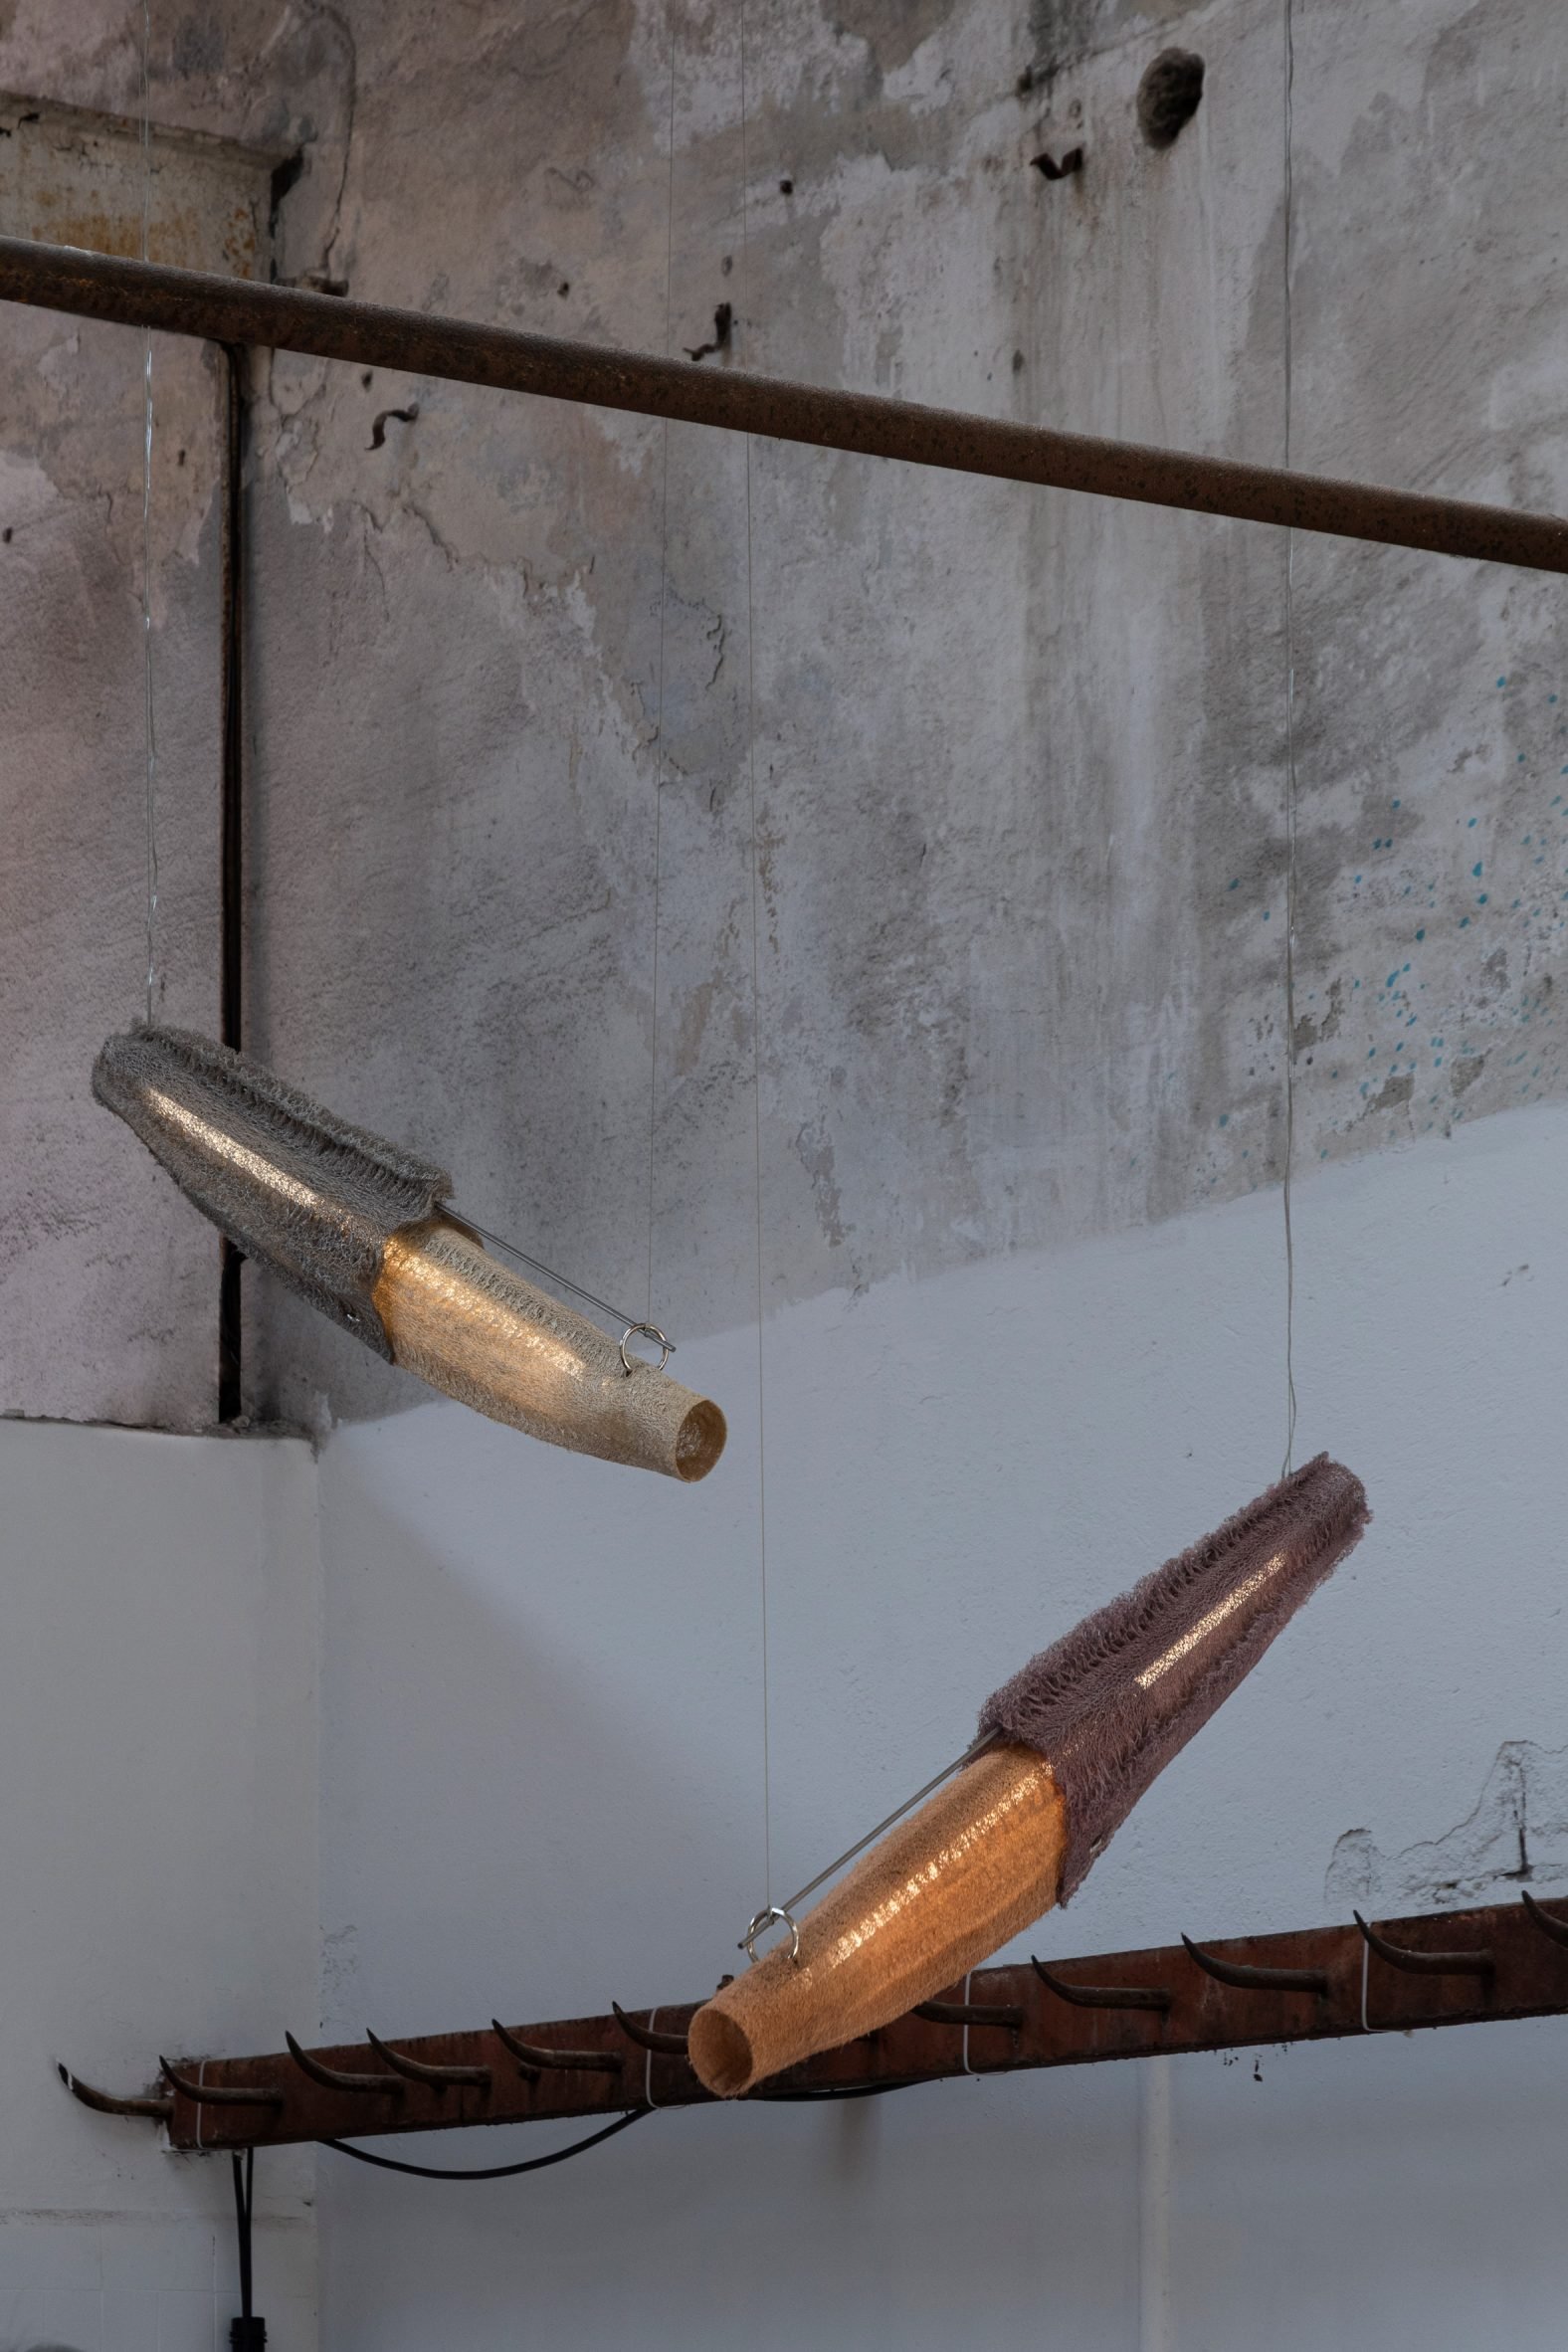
[247, 2333]
[506, 2172]
[489, 2172]
[817, 2098]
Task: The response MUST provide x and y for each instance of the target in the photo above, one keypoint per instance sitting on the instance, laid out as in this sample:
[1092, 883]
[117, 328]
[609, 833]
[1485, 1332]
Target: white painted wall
[158, 1640]
[542, 1788]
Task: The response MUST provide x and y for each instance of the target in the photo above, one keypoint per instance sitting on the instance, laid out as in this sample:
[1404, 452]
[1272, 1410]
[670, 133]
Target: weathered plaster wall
[1017, 757]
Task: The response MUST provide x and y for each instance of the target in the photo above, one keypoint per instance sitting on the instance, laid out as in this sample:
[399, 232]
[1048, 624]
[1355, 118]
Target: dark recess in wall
[1168, 95]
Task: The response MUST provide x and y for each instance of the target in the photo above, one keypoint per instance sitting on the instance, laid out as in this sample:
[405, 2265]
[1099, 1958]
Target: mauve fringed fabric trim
[1113, 1701]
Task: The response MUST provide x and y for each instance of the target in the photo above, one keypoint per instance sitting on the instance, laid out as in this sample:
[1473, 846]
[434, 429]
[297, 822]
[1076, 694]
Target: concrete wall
[542, 1702]
[157, 1851]
[1017, 756]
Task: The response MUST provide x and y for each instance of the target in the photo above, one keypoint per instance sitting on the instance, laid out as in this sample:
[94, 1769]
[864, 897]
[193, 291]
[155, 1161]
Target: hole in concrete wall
[1168, 95]
[723, 321]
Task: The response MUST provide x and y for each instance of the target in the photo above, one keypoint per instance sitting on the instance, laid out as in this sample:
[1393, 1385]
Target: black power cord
[247, 2333]
[506, 2172]
[488, 2172]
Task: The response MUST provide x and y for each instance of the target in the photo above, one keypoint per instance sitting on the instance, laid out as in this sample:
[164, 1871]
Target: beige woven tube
[980, 1860]
[479, 1333]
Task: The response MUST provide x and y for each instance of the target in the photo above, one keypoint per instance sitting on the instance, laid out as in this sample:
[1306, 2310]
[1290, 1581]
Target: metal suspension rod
[287, 318]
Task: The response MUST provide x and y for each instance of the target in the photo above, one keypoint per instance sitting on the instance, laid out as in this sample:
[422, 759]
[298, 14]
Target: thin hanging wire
[664, 602]
[151, 737]
[783, 1914]
[562, 1281]
[756, 1039]
[1289, 776]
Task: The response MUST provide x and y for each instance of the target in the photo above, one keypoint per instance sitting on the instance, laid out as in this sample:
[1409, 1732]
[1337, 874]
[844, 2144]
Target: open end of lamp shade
[721, 2053]
[699, 1440]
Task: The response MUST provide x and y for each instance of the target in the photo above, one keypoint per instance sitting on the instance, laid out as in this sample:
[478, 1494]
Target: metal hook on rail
[1480, 1962]
[537, 2057]
[1554, 1928]
[219, 2095]
[433, 2077]
[332, 2079]
[662, 2045]
[1008, 2018]
[1248, 1979]
[1103, 1996]
[104, 2102]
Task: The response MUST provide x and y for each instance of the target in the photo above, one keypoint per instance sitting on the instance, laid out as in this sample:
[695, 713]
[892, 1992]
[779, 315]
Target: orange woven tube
[978, 1862]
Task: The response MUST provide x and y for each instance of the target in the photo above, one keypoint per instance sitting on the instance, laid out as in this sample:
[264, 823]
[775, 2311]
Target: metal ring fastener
[647, 1331]
[772, 1917]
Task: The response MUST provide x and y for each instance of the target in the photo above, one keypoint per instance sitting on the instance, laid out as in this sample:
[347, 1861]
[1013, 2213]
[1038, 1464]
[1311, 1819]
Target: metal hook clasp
[770, 1916]
[647, 1331]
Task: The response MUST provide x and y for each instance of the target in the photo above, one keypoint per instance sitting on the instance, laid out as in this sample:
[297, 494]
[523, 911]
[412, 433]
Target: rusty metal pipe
[366, 334]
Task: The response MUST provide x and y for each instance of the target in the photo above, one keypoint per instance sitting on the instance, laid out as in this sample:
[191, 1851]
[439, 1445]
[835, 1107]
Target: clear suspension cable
[150, 738]
[1289, 776]
[664, 605]
[756, 1033]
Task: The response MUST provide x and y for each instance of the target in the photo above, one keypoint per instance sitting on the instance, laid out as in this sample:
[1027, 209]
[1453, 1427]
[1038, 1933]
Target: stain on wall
[1517, 1832]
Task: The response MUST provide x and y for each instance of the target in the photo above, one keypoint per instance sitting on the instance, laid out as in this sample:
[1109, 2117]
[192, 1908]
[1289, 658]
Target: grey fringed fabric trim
[1112, 1702]
[290, 1184]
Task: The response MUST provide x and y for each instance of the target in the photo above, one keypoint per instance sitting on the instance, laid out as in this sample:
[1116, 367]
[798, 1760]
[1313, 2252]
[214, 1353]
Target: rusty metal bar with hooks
[1119, 2005]
[415, 342]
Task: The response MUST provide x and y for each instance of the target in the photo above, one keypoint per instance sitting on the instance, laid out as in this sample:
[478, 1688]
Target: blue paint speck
[1476, 868]
[1421, 935]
